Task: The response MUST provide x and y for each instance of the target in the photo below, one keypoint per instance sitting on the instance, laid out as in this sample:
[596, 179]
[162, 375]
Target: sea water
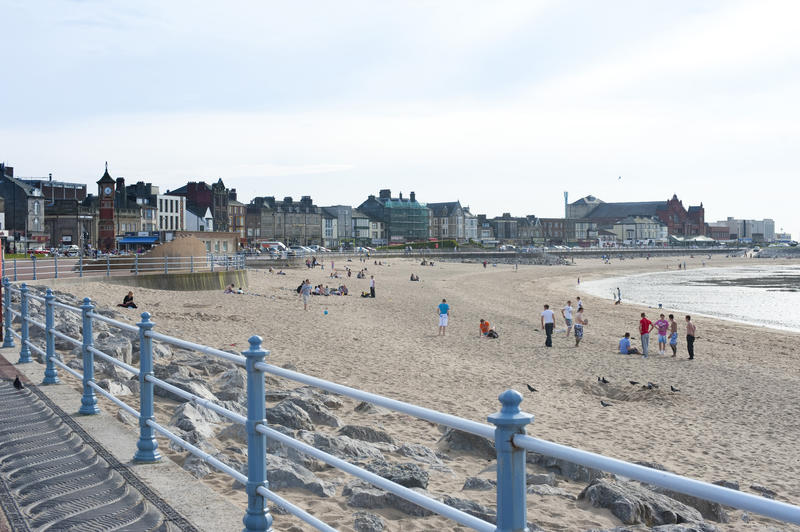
[759, 295]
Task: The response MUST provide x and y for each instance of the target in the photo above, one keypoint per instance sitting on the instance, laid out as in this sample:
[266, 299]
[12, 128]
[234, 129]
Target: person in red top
[645, 326]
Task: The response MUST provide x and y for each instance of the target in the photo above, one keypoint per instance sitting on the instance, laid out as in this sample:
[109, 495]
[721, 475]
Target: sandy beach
[735, 417]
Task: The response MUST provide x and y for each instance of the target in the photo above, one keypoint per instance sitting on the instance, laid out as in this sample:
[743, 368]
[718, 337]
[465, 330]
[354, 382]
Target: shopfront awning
[139, 240]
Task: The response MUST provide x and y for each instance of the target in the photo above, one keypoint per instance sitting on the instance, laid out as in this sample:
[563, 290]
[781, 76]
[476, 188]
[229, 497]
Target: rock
[273, 396]
[190, 417]
[325, 397]
[115, 346]
[367, 522]
[237, 433]
[289, 415]
[457, 440]
[133, 384]
[341, 446]
[315, 409]
[126, 418]
[161, 351]
[708, 509]
[197, 466]
[689, 527]
[207, 365]
[420, 453]
[362, 495]
[569, 470]
[232, 385]
[189, 385]
[763, 491]
[471, 507]
[726, 484]
[173, 370]
[408, 474]
[77, 365]
[279, 449]
[114, 388]
[634, 504]
[369, 434]
[283, 473]
[73, 330]
[545, 491]
[652, 465]
[536, 479]
[479, 484]
[368, 408]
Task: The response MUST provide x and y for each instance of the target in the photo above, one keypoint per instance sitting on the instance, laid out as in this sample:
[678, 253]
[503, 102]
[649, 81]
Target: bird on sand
[634, 382]
[531, 388]
[674, 389]
[603, 380]
[651, 385]
[605, 404]
[18, 384]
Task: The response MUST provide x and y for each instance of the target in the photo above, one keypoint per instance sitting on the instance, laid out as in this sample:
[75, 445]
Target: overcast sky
[501, 105]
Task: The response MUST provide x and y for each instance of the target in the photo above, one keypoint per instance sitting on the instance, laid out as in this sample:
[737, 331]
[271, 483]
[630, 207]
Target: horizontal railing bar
[118, 324]
[37, 298]
[36, 348]
[196, 347]
[35, 323]
[294, 510]
[113, 360]
[197, 452]
[113, 399]
[392, 487]
[68, 307]
[473, 427]
[63, 336]
[15, 333]
[15, 312]
[233, 416]
[704, 490]
[66, 368]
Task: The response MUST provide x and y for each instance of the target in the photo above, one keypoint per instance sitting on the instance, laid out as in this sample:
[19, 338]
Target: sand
[735, 418]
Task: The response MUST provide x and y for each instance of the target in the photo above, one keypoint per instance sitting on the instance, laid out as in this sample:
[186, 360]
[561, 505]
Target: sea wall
[172, 281]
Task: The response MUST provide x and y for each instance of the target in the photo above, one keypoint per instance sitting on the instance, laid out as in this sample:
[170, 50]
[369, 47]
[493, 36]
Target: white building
[749, 230]
[641, 230]
[171, 215]
[197, 222]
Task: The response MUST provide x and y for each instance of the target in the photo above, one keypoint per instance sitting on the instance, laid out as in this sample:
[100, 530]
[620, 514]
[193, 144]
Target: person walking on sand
[305, 293]
[645, 326]
[372, 286]
[579, 303]
[580, 321]
[663, 326]
[444, 314]
[691, 330]
[673, 335]
[566, 313]
[548, 318]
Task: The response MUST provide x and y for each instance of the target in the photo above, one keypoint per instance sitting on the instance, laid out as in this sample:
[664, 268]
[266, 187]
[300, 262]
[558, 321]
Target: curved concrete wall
[184, 281]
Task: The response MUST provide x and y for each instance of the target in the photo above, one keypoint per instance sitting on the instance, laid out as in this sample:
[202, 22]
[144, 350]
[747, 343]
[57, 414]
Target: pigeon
[531, 388]
[605, 404]
[651, 385]
[634, 383]
[603, 380]
[674, 389]
[18, 384]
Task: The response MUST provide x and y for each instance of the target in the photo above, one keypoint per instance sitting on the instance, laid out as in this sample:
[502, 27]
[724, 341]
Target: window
[36, 208]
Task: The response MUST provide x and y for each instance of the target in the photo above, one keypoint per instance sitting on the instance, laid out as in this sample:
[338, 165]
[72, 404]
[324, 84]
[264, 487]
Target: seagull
[605, 404]
[674, 389]
[620, 177]
[18, 384]
[531, 388]
[603, 380]
[633, 382]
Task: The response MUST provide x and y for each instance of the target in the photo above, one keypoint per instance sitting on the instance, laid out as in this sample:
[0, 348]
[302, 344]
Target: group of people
[576, 323]
[667, 331]
[231, 289]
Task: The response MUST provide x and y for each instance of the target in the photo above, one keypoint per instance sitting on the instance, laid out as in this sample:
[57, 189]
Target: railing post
[33, 258]
[108, 265]
[257, 517]
[55, 264]
[166, 264]
[15, 270]
[191, 264]
[147, 446]
[511, 503]
[89, 400]
[24, 351]
[80, 266]
[50, 372]
[8, 338]
[136, 264]
[212, 266]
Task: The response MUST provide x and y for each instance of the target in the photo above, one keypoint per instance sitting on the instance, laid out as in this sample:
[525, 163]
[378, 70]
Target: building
[57, 190]
[361, 235]
[236, 217]
[679, 220]
[783, 237]
[106, 229]
[606, 238]
[557, 230]
[344, 221]
[170, 212]
[748, 230]
[641, 231]
[330, 228]
[216, 242]
[25, 211]
[288, 221]
[201, 196]
[405, 219]
[198, 221]
[447, 221]
[71, 222]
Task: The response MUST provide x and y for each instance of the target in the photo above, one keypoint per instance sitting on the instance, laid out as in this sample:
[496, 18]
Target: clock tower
[106, 234]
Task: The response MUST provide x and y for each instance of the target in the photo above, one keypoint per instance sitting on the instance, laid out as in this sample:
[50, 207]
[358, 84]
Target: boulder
[708, 509]
[327, 398]
[689, 527]
[563, 468]
[369, 434]
[479, 484]
[407, 474]
[284, 473]
[547, 478]
[458, 440]
[470, 507]
[232, 385]
[367, 522]
[115, 346]
[289, 415]
[634, 504]
[315, 409]
[546, 491]
[362, 495]
[763, 491]
[341, 446]
[190, 385]
[190, 417]
[368, 408]
[127, 419]
[114, 388]
[420, 453]
[727, 484]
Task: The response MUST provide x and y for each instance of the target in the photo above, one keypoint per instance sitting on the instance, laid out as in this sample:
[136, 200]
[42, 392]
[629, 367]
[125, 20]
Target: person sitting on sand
[240, 291]
[127, 301]
[625, 346]
[343, 290]
[484, 327]
[271, 270]
[414, 277]
[229, 289]
[281, 272]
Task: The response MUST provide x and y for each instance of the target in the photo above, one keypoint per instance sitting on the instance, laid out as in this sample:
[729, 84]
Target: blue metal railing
[507, 429]
[35, 269]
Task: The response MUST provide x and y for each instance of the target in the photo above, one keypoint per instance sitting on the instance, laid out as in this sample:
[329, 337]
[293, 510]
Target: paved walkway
[55, 476]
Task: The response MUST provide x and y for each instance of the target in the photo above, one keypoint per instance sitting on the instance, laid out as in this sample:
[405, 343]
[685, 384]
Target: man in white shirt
[548, 324]
[566, 313]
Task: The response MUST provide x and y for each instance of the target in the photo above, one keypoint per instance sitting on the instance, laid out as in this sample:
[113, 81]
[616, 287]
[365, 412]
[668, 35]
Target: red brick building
[106, 233]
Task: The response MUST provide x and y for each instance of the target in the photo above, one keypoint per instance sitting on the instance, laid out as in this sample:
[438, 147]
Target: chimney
[232, 194]
[287, 200]
[412, 196]
[400, 195]
[50, 177]
[385, 194]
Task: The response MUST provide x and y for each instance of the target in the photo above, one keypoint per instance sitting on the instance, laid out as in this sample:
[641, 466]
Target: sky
[501, 105]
